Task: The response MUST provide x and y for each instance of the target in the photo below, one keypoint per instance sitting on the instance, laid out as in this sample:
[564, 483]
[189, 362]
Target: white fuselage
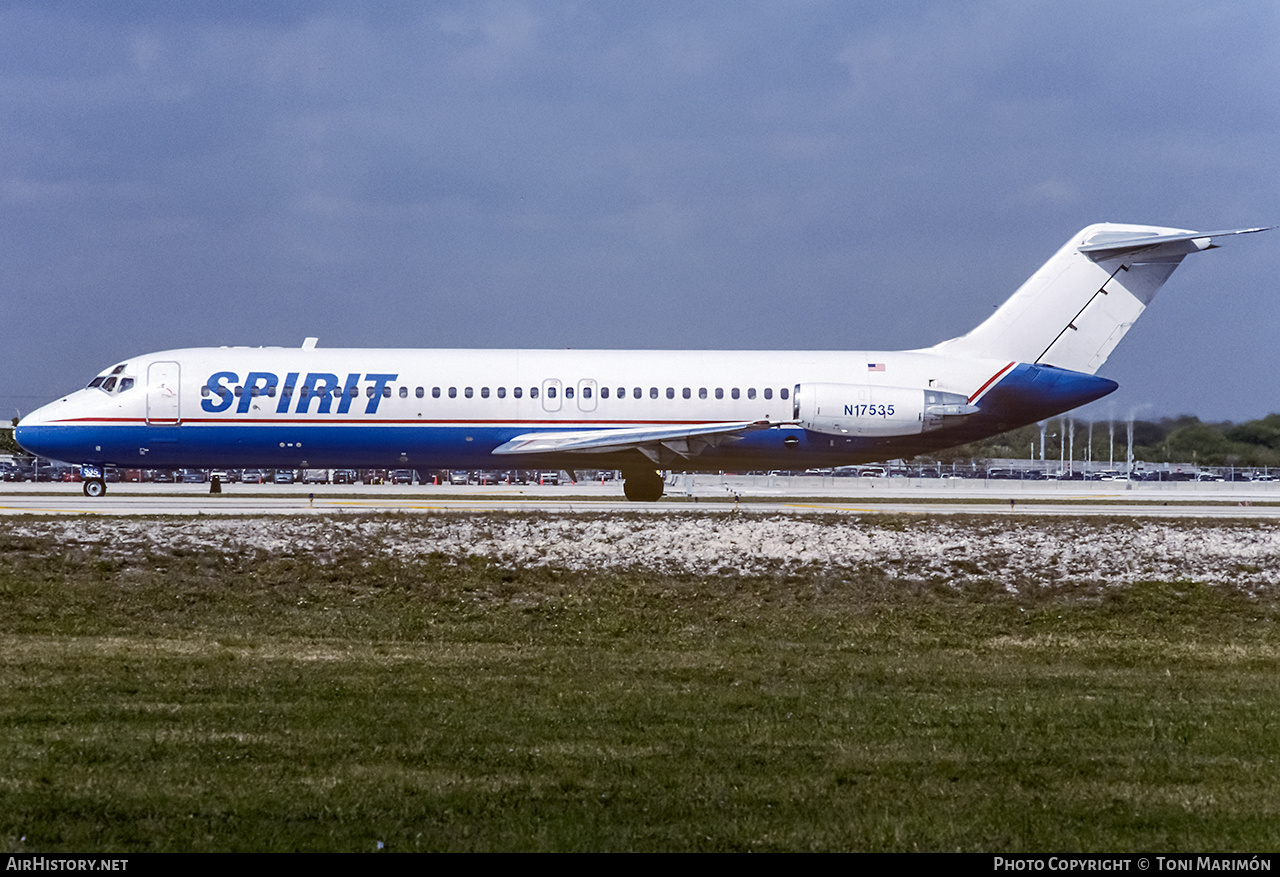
[441, 408]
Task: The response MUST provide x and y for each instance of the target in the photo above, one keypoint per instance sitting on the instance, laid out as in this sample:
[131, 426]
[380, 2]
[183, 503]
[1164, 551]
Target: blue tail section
[1033, 392]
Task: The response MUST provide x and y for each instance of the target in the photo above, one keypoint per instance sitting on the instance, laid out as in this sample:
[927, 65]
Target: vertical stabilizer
[1076, 308]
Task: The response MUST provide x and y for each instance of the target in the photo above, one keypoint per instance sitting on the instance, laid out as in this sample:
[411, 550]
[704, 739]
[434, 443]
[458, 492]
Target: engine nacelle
[865, 410]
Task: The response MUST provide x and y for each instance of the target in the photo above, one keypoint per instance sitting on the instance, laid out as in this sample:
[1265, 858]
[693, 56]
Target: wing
[683, 440]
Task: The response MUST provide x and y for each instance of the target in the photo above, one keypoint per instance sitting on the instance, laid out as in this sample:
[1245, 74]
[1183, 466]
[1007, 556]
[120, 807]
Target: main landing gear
[642, 486]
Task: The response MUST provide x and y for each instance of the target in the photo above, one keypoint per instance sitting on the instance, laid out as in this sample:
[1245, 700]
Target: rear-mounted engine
[862, 410]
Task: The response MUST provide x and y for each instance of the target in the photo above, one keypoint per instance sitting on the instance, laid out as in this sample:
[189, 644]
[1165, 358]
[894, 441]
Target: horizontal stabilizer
[1112, 245]
[684, 440]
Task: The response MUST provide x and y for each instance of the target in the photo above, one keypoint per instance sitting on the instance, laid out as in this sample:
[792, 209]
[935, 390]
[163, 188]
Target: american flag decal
[875, 366]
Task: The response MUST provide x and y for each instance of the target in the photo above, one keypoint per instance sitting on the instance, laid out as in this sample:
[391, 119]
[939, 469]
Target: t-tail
[1073, 311]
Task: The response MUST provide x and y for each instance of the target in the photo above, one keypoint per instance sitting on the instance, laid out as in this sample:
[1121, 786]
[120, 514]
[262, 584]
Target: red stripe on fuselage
[991, 380]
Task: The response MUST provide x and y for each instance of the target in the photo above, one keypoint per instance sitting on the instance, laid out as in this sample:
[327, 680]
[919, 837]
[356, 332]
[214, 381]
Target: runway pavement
[771, 494]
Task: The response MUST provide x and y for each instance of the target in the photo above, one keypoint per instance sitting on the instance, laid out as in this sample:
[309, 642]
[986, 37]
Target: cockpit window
[96, 382]
[117, 369]
[125, 384]
[109, 384]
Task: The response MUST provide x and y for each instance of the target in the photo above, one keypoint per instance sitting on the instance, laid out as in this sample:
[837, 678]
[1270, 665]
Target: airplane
[637, 411]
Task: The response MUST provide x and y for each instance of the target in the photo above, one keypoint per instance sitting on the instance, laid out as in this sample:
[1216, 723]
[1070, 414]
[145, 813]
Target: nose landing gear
[94, 484]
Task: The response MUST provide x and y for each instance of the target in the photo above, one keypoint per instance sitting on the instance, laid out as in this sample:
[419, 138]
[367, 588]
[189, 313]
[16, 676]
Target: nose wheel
[95, 487]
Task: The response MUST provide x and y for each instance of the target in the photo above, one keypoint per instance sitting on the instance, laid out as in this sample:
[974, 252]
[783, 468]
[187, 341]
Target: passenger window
[768, 392]
[702, 392]
[484, 392]
[686, 393]
[719, 393]
[271, 391]
[637, 393]
[551, 392]
[782, 394]
[533, 392]
[653, 392]
[404, 392]
[453, 392]
[386, 392]
[751, 393]
[671, 392]
[734, 393]
[419, 393]
[253, 391]
[468, 392]
[111, 382]
[502, 392]
[604, 392]
[586, 392]
[435, 392]
[517, 391]
[204, 391]
[368, 391]
[568, 392]
[351, 391]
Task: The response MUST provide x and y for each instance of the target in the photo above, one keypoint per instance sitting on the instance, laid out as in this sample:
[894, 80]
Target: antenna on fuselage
[309, 343]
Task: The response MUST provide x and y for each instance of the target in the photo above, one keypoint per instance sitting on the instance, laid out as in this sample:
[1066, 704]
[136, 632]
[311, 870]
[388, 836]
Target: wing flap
[684, 440]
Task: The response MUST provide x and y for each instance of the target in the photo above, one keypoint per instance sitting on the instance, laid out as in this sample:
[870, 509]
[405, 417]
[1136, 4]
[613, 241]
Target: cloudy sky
[825, 175]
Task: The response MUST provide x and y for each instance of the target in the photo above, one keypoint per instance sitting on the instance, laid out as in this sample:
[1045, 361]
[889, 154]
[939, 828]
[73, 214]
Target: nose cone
[24, 431]
[41, 433]
[21, 431]
[27, 433]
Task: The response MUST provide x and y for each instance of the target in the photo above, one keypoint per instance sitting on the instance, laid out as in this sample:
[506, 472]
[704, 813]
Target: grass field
[206, 699]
